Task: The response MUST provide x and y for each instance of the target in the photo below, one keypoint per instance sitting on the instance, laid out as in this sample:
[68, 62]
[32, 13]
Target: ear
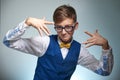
[76, 25]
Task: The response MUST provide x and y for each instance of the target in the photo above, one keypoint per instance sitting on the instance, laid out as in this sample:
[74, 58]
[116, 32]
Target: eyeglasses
[67, 28]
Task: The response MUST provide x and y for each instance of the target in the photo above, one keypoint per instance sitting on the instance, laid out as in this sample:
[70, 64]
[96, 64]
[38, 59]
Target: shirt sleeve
[102, 67]
[34, 45]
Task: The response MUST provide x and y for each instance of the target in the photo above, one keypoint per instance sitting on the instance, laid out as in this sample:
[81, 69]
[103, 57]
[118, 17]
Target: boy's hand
[39, 24]
[96, 39]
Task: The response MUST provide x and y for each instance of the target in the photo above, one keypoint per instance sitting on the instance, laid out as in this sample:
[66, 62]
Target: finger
[48, 22]
[89, 41]
[85, 42]
[88, 33]
[43, 18]
[45, 27]
[89, 45]
[96, 31]
[46, 30]
[40, 32]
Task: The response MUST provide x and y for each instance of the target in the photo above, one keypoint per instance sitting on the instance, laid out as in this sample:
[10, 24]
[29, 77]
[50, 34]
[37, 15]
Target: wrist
[105, 46]
[28, 21]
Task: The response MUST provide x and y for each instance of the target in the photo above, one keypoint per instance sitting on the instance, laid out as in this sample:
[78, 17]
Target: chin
[66, 40]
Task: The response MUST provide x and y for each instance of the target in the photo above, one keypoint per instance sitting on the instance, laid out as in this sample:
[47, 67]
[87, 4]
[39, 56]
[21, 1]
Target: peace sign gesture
[96, 39]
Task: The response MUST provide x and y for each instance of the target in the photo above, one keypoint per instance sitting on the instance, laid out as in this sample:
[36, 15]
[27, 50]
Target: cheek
[71, 34]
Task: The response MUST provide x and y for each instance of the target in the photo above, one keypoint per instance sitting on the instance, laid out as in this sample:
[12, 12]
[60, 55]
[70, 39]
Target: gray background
[103, 15]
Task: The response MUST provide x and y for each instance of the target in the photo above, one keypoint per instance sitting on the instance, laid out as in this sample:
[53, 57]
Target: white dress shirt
[38, 45]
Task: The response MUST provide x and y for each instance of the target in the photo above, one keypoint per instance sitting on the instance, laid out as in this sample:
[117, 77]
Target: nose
[63, 31]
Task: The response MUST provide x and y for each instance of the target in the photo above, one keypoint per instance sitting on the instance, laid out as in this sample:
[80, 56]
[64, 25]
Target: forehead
[67, 21]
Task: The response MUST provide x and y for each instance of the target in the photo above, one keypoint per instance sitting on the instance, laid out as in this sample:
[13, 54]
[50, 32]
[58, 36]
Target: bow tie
[67, 45]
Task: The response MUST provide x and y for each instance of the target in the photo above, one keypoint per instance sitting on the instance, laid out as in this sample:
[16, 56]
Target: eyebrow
[65, 25]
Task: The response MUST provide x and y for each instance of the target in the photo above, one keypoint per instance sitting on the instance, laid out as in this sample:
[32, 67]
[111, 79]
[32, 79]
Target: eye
[68, 27]
[58, 27]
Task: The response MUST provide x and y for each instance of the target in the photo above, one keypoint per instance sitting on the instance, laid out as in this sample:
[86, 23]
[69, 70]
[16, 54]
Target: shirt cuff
[107, 52]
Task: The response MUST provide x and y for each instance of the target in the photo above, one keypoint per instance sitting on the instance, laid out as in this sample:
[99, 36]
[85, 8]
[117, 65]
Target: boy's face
[68, 26]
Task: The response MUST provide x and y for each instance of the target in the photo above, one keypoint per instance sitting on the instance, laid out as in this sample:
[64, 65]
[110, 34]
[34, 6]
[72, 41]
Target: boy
[59, 54]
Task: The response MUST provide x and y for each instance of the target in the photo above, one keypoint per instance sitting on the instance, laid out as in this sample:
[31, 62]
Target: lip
[65, 38]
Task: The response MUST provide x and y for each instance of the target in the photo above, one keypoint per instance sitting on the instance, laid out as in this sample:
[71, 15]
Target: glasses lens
[68, 28]
[58, 28]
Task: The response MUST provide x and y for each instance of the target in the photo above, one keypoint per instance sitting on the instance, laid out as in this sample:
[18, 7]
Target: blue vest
[51, 66]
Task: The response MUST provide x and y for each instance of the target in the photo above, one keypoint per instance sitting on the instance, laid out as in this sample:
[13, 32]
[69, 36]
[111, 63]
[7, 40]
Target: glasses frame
[64, 27]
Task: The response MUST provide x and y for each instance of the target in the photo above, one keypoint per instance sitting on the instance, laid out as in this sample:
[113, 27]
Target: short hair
[63, 12]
